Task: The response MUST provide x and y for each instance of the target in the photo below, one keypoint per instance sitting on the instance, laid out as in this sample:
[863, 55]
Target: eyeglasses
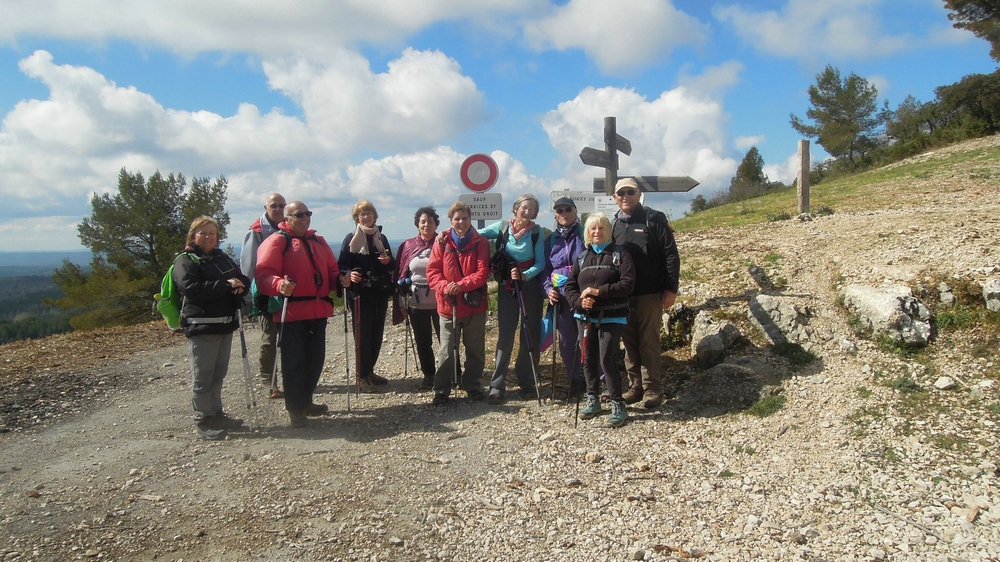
[564, 210]
[276, 206]
[629, 192]
[301, 214]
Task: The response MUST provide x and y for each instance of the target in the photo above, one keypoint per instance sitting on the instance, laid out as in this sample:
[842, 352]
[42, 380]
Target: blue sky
[328, 102]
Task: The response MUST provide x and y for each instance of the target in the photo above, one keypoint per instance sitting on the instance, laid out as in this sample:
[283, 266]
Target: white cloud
[681, 133]
[291, 27]
[786, 172]
[714, 79]
[817, 29]
[421, 98]
[56, 152]
[618, 36]
[744, 143]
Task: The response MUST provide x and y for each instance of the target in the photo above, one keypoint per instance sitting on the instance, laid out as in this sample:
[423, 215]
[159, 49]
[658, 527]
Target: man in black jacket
[646, 234]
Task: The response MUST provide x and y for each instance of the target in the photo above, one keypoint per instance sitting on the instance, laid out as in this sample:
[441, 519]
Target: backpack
[500, 262]
[168, 300]
[616, 259]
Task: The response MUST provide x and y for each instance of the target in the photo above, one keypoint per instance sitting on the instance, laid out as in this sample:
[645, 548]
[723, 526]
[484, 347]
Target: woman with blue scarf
[598, 289]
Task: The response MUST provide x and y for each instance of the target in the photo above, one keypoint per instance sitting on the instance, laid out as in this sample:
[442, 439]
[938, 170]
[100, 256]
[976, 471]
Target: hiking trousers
[209, 365]
[472, 330]
[303, 351]
[641, 337]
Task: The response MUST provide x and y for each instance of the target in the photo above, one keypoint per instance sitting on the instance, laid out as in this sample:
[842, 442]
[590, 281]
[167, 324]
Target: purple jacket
[561, 251]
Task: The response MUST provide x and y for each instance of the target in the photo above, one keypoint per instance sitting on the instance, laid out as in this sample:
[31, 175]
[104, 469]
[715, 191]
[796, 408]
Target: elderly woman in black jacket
[598, 288]
[211, 286]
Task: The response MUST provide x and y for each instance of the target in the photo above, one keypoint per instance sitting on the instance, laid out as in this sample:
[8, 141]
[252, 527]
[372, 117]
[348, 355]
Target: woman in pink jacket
[299, 266]
[457, 272]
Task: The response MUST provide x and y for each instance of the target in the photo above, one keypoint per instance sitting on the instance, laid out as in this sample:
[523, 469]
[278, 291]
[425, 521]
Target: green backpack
[168, 300]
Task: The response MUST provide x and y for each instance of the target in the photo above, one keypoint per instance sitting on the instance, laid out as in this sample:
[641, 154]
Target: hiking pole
[454, 334]
[356, 316]
[555, 341]
[527, 338]
[347, 362]
[583, 363]
[275, 391]
[248, 378]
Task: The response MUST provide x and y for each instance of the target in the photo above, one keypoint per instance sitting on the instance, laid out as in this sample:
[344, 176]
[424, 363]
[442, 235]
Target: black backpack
[500, 262]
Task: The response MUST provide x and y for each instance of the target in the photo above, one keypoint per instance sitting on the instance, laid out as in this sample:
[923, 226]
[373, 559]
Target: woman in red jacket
[457, 272]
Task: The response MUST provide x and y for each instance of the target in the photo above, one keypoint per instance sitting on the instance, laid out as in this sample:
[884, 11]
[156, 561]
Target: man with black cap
[647, 236]
[561, 250]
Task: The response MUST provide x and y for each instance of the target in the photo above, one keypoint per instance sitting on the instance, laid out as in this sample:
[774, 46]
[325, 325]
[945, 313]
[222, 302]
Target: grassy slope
[897, 185]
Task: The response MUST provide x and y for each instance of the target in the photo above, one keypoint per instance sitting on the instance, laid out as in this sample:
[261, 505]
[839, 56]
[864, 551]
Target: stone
[545, 437]
[779, 319]
[396, 541]
[877, 553]
[976, 394]
[991, 294]
[944, 383]
[594, 457]
[638, 554]
[891, 311]
[711, 338]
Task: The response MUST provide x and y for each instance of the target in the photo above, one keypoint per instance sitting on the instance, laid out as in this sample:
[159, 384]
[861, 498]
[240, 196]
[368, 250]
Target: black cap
[564, 201]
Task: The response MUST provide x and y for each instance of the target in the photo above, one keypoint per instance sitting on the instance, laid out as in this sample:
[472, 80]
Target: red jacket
[274, 262]
[443, 268]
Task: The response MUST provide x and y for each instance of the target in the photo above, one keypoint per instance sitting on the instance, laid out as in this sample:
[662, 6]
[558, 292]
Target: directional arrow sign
[623, 145]
[594, 157]
[654, 183]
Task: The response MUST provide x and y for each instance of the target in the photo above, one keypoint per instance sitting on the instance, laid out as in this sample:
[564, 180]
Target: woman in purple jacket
[561, 249]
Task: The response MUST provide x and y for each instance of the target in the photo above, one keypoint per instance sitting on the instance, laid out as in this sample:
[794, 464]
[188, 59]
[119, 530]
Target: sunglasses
[629, 192]
[301, 214]
[564, 210]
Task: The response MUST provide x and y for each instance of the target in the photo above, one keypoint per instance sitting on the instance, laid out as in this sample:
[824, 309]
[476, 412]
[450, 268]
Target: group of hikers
[607, 282]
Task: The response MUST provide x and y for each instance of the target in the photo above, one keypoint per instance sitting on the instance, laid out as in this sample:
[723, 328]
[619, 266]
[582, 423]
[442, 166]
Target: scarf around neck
[359, 243]
[517, 235]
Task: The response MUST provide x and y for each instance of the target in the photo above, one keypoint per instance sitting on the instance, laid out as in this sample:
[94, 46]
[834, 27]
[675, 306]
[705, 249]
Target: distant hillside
[38, 263]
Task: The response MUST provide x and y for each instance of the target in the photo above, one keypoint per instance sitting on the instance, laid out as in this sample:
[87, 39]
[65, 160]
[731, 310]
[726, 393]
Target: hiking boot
[427, 383]
[651, 399]
[592, 407]
[476, 395]
[276, 393]
[440, 400]
[632, 395]
[377, 380]
[366, 384]
[495, 397]
[207, 431]
[618, 413]
[298, 418]
[223, 421]
[529, 393]
[316, 410]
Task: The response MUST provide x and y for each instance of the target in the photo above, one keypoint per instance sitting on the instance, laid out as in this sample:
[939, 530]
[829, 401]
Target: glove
[558, 279]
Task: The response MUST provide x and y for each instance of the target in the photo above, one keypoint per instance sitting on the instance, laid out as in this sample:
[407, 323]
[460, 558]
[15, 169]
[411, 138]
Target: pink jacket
[473, 273]
[275, 262]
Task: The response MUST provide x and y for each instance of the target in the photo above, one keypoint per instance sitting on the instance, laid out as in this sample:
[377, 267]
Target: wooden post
[803, 180]
[610, 145]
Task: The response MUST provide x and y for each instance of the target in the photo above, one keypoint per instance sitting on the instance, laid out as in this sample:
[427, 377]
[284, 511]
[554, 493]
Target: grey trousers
[209, 364]
[508, 319]
[268, 347]
[472, 330]
[641, 337]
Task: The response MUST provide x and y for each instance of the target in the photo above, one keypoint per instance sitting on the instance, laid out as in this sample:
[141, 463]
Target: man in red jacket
[299, 266]
[457, 272]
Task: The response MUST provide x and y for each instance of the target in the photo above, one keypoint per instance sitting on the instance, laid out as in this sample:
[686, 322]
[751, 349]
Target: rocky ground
[98, 458]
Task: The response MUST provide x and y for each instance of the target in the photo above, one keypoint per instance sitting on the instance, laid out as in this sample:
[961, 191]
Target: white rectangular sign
[485, 206]
[587, 202]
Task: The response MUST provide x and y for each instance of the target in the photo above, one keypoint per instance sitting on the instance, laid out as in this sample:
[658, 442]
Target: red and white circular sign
[479, 172]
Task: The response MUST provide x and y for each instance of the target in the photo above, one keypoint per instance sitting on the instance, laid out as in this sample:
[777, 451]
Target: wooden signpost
[608, 159]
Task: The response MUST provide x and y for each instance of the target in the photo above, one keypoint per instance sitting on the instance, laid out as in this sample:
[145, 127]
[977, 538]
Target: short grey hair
[526, 197]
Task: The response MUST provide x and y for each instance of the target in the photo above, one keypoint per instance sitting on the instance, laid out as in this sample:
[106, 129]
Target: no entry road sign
[479, 172]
